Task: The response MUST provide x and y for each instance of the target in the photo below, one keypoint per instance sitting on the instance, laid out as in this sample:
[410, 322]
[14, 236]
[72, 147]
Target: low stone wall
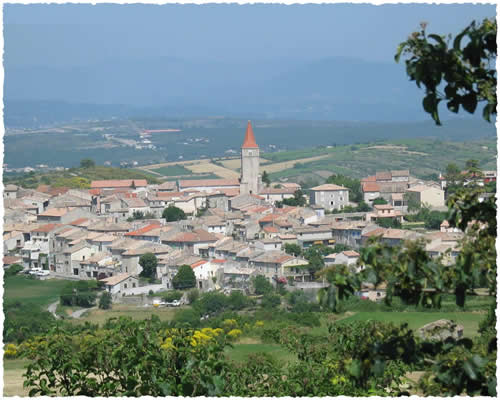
[143, 290]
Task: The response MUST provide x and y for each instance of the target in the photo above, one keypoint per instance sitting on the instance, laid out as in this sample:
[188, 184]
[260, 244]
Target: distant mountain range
[327, 89]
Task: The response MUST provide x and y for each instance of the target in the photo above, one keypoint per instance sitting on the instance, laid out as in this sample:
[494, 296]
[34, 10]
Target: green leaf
[470, 370]
[355, 369]
[458, 39]
[438, 39]
[469, 102]
[429, 102]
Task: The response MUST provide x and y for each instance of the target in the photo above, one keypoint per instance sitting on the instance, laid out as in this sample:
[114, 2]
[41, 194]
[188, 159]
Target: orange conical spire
[249, 141]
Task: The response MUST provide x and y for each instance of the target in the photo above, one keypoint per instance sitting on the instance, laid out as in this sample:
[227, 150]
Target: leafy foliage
[353, 184]
[266, 179]
[293, 249]
[148, 262]
[262, 285]
[298, 200]
[105, 301]
[185, 278]
[80, 293]
[467, 71]
[173, 213]
[23, 321]
[14, 269]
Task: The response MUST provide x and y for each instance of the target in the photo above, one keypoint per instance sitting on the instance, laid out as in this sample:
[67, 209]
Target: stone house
[329, 196]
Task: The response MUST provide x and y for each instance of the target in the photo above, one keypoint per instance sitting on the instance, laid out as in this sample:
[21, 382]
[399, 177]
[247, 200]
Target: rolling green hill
[77, 177]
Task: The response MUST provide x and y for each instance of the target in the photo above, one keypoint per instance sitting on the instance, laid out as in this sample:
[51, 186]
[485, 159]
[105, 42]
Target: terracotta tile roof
[46, 228]
[249, 141]
[419, 188]
[328, 187]
[208, 183]
[8, 260]
[219, 261]
[135, 202]
[269, 218]
[78, 221]
[170, 185]
[403, 172]
[198, 263]
[230, 192]
[375, 232]
[383, 176]
[53, 191]
[270, 229]
[95, 192]
[383, 207]
[141, 231]
[114, 280]
[271, 190]
[56, 212]
[370, 187]
[351, 253]
[118, 183]
[372, 178]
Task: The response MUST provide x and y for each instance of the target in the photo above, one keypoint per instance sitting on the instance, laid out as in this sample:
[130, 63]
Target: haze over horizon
[333, 61]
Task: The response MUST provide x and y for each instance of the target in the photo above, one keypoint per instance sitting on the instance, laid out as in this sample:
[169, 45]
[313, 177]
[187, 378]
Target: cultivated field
[206, 166]
[97, 316]
[33, 291]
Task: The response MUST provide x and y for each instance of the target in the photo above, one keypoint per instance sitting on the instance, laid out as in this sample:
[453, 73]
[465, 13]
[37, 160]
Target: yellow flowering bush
[11, 351]
[234, 333]
[229, 324]
[259, 324]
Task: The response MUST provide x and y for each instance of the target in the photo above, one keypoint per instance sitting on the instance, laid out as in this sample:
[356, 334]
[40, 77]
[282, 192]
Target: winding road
[76, 314]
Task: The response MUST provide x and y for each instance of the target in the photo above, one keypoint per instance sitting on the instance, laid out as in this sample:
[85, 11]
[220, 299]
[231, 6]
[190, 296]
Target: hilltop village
[226, 230]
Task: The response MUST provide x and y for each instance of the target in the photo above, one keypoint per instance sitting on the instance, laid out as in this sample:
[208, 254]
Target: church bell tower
[250, 178]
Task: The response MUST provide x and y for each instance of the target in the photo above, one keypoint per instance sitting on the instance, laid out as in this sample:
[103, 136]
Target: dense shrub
[105, 301]
[14, 269]
[172, 295]
[211, 302]
[270, 301]
[23, 321]
[187, 317]
[193, 295]
[304, 318]
[81, 293]
[185, 278]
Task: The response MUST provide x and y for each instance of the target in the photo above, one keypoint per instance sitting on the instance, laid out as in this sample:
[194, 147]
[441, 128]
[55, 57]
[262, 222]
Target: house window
[125, 285]
[133, 285]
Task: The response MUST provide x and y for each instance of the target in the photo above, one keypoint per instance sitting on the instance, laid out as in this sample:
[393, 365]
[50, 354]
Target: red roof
[118, 183]
[7, 260]
[369, 179]
[271, 229]
[198, 263]
[371, 187]
[143, 230]
[95, 192]
[46, 228]
[219, 260]
[78, 221]
[249, 142]
[191, 183]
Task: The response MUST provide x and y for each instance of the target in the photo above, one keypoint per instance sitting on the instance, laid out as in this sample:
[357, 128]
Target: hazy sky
[73, 34]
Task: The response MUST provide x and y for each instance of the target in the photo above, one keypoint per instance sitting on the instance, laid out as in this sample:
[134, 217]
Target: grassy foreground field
[415, 320]
[97, 316]
[32, 290]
